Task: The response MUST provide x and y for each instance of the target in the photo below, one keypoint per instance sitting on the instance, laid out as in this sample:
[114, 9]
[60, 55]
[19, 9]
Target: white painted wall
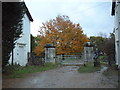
[117, 33]
[22, 46]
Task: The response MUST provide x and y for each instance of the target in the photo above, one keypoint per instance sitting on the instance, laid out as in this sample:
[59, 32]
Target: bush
[101, 57]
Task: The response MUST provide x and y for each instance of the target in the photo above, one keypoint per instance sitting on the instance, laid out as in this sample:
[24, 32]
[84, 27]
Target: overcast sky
[94, 17]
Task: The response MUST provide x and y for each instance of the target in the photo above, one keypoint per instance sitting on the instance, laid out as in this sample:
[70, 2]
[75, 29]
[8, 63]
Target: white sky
[94, 17]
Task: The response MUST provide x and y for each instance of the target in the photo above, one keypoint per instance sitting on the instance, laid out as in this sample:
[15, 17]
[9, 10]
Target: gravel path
[62, 77]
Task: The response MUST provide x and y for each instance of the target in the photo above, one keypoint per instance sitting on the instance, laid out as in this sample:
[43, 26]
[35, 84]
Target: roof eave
[113, 8]
[28, 13]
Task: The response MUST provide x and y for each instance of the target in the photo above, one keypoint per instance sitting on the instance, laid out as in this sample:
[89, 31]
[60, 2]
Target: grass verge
[113, 74]
[112, 70]
[19, 72]
[89, 68]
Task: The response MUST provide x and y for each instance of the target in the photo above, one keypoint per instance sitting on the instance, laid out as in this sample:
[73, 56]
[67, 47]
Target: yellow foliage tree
[66, 36]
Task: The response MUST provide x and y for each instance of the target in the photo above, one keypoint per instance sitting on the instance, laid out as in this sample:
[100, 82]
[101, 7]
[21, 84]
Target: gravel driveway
[62, 77]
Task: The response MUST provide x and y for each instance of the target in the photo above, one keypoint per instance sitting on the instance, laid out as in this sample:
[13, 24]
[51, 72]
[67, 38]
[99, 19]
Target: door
[21, 55]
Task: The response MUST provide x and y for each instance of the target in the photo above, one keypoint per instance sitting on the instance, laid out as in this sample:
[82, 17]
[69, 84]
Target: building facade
[116, 14]
[22, 46]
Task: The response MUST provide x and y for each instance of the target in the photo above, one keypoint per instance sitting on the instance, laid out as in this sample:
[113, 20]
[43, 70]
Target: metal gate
[70, 59]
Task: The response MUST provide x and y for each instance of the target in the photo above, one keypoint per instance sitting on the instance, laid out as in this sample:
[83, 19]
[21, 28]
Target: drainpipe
[12, 53]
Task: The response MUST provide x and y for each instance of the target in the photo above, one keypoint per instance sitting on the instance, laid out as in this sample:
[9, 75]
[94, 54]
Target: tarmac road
[62, 77]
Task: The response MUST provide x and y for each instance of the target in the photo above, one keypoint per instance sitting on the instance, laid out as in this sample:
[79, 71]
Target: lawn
[19, 71]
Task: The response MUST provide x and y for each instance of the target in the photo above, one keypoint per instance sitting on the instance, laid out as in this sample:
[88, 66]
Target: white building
[22, 46]
[116, 14]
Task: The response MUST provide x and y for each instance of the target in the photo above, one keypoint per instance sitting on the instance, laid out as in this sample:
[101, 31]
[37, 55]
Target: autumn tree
[67, 37]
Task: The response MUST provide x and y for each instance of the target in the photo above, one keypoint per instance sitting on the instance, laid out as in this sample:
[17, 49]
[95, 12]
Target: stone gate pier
[50, 53]
[88, 52]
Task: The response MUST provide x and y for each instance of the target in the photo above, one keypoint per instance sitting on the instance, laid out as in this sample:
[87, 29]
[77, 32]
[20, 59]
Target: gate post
[50, 55]
[88, 52]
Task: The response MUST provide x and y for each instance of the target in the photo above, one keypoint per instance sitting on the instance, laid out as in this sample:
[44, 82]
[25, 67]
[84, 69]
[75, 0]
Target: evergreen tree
[12, 15]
